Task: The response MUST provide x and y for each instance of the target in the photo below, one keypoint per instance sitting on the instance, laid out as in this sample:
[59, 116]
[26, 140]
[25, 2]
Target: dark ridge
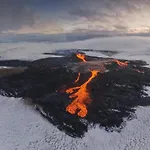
[64, 52]
[71, 51]
[108, 53]
[115, 94]
[51, 54]
[55, 62]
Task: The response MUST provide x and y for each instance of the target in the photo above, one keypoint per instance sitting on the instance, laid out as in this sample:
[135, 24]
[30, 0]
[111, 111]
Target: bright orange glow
[122, 64]
[81, 97]
[81, 56]
[78, 78]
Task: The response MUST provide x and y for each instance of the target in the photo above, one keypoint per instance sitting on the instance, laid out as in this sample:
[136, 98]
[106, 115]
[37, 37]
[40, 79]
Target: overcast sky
[74, 17]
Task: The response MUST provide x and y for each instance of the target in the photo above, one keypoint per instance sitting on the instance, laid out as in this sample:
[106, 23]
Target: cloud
[14, 14]
[82, 12]
[107, 8]
[76, 35]
[58, 16]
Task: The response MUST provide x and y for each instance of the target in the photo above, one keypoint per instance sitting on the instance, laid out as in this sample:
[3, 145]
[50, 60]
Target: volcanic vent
[78, 91]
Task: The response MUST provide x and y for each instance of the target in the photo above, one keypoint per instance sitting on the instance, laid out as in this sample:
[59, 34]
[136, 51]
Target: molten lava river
[80, 95]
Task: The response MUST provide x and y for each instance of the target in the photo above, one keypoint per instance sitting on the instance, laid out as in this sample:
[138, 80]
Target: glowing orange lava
[79, 94]
[122, 64]
[81, 56]
[78, 78]
[81, 97]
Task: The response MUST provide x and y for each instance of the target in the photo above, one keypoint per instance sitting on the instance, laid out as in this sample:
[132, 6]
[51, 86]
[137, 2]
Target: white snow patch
[147, 88]
[22, 128]
[130, 46]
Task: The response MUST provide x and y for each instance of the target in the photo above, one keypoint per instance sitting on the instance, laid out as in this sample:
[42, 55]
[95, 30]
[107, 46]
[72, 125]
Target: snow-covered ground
[127, 46]
[22, 128]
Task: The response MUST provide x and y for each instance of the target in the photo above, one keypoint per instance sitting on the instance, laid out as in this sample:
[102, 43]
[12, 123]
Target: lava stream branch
[81, 97]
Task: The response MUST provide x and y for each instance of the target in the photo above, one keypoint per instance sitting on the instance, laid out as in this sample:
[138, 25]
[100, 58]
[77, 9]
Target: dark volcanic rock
[14, 63]
[53, 108]
[71, 51]
[115, 94]
[11, 71]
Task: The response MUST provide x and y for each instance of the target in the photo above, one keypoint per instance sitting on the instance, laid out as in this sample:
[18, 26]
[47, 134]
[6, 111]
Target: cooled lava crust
[115, 94]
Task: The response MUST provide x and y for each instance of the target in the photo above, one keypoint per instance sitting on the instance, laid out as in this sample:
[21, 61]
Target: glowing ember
[81, 97]
[81, 56]
[122, 64]
[78, 78]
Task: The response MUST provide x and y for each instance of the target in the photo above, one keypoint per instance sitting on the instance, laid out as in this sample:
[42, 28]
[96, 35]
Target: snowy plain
[22, 128]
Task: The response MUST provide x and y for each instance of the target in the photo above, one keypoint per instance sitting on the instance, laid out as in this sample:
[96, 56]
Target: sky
[74, 18]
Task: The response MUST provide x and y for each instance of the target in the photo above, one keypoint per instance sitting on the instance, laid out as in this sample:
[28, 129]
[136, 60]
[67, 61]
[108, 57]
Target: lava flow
[81, 56]
[80, 94]
[122, 64]
[125, 64]
[81, 97]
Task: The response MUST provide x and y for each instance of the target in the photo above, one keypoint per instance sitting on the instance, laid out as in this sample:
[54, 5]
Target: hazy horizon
[68, 20]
